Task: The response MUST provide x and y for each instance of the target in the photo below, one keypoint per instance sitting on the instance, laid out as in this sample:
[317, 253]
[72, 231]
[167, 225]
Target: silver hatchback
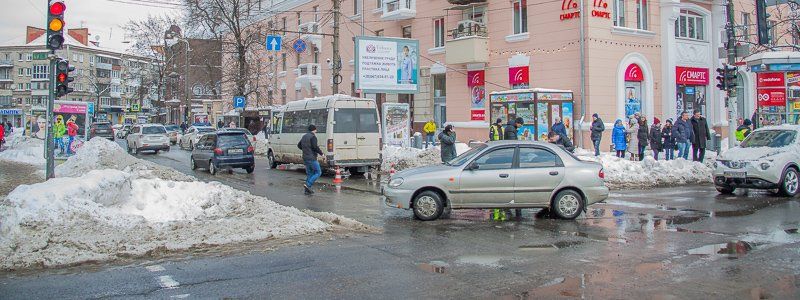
[502, 174]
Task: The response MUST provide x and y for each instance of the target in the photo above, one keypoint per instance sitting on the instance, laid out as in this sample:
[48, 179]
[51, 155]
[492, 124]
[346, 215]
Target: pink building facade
[653, 57]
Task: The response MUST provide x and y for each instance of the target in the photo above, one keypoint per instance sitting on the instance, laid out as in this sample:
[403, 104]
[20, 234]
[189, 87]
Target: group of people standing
[635, 136]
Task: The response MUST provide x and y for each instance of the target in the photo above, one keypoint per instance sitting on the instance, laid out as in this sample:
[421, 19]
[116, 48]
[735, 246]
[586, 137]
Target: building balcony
[311, 33]
[115, 94]
[6, 80]
[399, 9]
[6, 63]
[469, 44]
[104, 66]
[309, 75]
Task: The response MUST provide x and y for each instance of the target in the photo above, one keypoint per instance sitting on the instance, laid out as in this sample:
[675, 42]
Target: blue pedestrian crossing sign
[299, 46]
[273, 42]
[238, 101]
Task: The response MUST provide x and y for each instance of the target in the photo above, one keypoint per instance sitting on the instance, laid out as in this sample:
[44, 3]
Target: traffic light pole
[49, 149]
[731, 99]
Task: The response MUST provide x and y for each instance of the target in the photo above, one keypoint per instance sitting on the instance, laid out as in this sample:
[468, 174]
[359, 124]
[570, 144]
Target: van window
[154, 130]
[353, 120]
[298, 121]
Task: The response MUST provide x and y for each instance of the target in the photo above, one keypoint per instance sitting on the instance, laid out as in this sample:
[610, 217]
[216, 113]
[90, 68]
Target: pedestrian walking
[669, 140]
[496, 131]
[683, 135]
[183, 127]
[656, 141]
[220, 124]
[447, 140]
[556, 139]
[430, 133]
[308, 143]
[510, 131]
[701, 134]
[633, 138]
[597, 132]
[558, 127]
[743, 131]
[643, 135]
[618, 138]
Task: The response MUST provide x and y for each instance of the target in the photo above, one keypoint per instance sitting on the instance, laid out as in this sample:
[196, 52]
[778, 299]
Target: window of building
[315, 53]
[477, 14]
[21, 71]
[520, 16]
[438, 32]
[40, 71]
[20, 86]
[619, 13]
[746, 25]
[299, 21]
[357, 7]
[407, 32]
[27, 71]
[80, 57]
[642, 10]
[28, 86]
[773, 32]
[283, 23]
[21, 56]
[283, 95]
[29, 56]
[690, 25]
[115, 74]
[74, 56]
[379, 3]
[379, 32]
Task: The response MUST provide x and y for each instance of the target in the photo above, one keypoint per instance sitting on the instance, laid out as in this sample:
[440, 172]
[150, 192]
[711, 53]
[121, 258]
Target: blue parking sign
[238, 102]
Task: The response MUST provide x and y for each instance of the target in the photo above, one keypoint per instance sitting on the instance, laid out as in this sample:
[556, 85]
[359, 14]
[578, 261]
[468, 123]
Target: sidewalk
[13, 174]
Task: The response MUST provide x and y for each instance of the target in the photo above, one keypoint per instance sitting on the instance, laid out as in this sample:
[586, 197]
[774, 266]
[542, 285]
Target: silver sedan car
[501, 174]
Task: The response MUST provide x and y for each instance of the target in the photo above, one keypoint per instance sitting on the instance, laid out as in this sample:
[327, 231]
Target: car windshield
[232, 140]
[769, 138]
[172, 127]
[204, 129]
[466, 156]
[154, 130]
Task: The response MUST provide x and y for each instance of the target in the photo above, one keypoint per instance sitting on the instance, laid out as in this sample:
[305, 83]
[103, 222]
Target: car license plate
[235, 151]
[736, 174]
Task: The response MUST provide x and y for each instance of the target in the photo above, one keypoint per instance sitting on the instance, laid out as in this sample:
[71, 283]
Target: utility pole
[731, 98]
[50, 144]
[337, 64]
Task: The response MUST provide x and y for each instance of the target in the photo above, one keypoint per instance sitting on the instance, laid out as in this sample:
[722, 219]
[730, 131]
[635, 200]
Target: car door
[133, 136]
[492, 183]
[539, 172]
[197, 153]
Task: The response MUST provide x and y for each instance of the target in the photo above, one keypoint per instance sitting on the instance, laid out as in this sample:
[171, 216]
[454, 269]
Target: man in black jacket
[700, 134]
[597, 133]
[555, 138]
[308, 143]
[510, 132]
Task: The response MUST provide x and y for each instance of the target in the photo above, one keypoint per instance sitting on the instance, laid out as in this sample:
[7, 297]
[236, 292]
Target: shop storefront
[538, 108]
[778, 98]
[15, 116]
[633, 89]
[692, 89]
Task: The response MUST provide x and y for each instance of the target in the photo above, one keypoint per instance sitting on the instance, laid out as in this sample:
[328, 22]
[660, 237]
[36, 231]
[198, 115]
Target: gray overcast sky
[102, 17]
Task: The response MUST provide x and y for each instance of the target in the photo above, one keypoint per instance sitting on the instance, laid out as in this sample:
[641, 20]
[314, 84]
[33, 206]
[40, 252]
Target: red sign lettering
[771, 79]
[518, 75]
[691, 76]
[478, 115]
[771, 97]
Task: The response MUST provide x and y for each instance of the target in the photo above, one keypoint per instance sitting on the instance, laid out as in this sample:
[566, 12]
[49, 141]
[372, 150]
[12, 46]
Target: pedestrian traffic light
[721, 78]
[55, 24]
[761, 22]
[62, 78]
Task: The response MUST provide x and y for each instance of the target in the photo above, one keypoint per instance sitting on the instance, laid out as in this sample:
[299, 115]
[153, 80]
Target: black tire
[428, 206]
[567, 204]
[193, 163]
[212, 168]
[790, 183]
[250, 169]
[725, 190]
[271, 158]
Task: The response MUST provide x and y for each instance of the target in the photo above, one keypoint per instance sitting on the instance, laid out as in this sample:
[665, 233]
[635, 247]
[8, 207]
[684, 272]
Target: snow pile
[261, 144]
[407, 158]
[24, 149]
[624, 173]
[99, 153]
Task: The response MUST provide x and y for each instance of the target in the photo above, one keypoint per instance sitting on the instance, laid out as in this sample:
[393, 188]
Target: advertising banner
[396, 121]
[691, 76]
[518, 75]
[566, 111]
[386, 65]
[476, 83]
[771, 97]
[70, 127]
[770, 79]
[634, 73]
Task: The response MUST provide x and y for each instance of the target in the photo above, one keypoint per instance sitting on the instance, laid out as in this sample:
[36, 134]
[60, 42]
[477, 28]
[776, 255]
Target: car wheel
[790, 183]
[271, 159]
[725, 190]
[193, 163]
[211, 168]
[568, 204]
[250, 169]
[428, 206]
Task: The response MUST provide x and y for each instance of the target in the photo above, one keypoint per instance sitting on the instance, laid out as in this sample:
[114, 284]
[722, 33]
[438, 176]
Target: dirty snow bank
[407, 158]
[261, 144]
[24, 149]
[624, 173]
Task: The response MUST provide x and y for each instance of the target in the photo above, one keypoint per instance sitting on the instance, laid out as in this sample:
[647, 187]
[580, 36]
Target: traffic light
[62, 78]
[721, 78]
[761, 22]
[731, 77]
[55, 24]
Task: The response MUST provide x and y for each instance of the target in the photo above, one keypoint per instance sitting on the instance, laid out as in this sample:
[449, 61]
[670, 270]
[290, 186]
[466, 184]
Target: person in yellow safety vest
[744, 130]
[430, 133]
[496, 131]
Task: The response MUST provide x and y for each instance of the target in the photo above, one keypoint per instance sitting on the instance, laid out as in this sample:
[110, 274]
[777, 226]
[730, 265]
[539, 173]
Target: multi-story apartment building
[114, 81]
[618, 57]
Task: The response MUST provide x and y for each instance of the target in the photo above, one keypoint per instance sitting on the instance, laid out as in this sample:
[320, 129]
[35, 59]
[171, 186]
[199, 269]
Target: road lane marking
[155, 268]
[181, 296]
[167, 282]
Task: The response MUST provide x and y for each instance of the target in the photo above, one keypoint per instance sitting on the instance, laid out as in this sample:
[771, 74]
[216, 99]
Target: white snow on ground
[408, 157]
[261, 144]
[21, 148]
[106, 204]
[624, 173]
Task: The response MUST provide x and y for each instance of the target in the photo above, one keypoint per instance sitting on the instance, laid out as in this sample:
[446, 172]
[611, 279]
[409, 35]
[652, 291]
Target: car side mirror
[473, 166]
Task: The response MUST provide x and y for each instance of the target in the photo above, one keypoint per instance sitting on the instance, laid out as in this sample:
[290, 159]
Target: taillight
[602, 174]
[250, 149]
[330, 145]
[217, 151]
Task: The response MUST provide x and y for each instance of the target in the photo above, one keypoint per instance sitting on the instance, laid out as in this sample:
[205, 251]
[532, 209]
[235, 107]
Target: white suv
[147, 137]
[767, 159]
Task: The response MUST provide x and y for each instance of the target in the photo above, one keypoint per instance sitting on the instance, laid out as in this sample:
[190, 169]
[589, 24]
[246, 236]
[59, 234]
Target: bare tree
[147, 37]
[784, 33]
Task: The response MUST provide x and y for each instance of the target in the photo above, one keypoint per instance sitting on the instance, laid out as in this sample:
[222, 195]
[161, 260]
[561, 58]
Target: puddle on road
[730, 250]
[481, 260]
[435, 266]
[550, 247]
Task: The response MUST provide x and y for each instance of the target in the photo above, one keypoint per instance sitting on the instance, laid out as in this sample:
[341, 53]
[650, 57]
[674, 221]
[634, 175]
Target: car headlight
[396, 182]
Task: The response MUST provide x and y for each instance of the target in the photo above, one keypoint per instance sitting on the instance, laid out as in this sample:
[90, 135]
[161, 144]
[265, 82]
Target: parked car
[192, 135]
[223, 150]
[123, 132]
[348, 131]
[147, 137]
[767, 159]
[101, 129]
[172, 132]
[500, 174]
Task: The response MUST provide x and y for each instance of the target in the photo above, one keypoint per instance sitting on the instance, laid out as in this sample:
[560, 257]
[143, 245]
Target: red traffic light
[61, 77]
[57, 8]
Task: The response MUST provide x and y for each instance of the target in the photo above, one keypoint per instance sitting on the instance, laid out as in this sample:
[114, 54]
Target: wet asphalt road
[683, 242]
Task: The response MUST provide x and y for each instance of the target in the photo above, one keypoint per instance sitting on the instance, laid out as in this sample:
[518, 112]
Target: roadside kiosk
[537, 107]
